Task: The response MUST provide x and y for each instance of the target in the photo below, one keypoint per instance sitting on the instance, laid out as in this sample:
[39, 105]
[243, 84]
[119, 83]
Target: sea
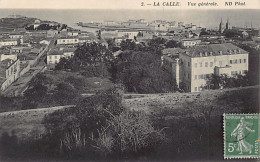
[209, 19]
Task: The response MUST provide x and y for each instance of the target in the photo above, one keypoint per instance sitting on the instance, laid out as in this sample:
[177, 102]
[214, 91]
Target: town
[123, 90]
[195, 54]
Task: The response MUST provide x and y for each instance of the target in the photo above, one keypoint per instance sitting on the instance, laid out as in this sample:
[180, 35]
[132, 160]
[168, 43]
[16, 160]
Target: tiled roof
[214, 50]
[55, 52]
[173, 51]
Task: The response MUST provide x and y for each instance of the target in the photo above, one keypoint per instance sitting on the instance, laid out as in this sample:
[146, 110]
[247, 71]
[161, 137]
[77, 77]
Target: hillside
[26, 122]
[9, 24]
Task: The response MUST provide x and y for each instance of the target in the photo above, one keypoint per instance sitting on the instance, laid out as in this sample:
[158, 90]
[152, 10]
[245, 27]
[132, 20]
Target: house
[67, 40]
[72, 33]
[128, 34]
[8, 56]
[54, 57]
[51, 33]
[36, 24]
[59, 52]
[190, 42]
[44, 42]
[9, 72]
[15, 36]
[37, 48]
[8, 42]
[201, 61]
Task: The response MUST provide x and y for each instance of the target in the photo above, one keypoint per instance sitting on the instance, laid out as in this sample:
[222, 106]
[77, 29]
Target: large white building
[202, 61]
[193, 66]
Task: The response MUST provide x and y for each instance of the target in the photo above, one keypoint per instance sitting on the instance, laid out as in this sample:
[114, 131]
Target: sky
[121, 4]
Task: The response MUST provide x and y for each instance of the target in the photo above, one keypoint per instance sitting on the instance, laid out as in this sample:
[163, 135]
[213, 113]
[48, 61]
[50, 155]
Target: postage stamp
[241, 136]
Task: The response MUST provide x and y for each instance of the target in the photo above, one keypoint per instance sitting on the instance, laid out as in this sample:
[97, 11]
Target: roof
[69, 49]
[28, 56]
[173, 51]
[214, 50]
[68, 37]
[170, 58]
[191, 39]
[8, 40]
[55, 52]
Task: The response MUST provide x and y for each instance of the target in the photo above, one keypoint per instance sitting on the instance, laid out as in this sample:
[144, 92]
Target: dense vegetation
[100, 127]
[138, 67]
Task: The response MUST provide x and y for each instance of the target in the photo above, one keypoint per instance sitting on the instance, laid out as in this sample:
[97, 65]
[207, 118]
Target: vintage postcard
[129, 80]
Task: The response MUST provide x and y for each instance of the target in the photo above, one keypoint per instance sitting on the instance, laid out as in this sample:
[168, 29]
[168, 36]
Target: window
[240, 61]
[188, 64]
[196, 65]
[220, 63]
[244, 60]
[230, 61]
[49, 57]
[206, 64]
[211, 64]
[200, 64]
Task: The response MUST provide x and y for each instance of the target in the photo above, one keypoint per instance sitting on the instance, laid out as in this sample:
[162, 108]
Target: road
[21, 84]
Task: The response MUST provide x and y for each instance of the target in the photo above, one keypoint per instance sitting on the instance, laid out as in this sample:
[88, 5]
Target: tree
[127, 45]
[91, 57]
[33, 96]
[65, 93]
[172, 44]
[141, 72]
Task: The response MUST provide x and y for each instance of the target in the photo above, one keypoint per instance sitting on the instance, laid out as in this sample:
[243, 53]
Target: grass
[81, 83]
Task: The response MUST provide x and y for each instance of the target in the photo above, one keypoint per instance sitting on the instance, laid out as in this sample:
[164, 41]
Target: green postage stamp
[241, 136]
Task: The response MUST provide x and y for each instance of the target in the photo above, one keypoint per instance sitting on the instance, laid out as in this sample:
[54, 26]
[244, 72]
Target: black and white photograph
[129, 80]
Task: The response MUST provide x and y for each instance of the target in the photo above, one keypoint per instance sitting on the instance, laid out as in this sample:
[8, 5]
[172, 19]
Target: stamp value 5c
[241, 136]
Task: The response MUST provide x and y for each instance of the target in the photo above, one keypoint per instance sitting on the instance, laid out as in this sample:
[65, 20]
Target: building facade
[199, 63]
[9, 72]
[68, 40]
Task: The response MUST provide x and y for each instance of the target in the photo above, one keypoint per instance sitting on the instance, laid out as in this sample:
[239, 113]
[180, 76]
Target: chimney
[220, 52]
[206, 54]
[200, 54]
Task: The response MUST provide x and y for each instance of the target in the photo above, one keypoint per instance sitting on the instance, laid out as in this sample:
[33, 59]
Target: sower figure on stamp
[239, 133]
